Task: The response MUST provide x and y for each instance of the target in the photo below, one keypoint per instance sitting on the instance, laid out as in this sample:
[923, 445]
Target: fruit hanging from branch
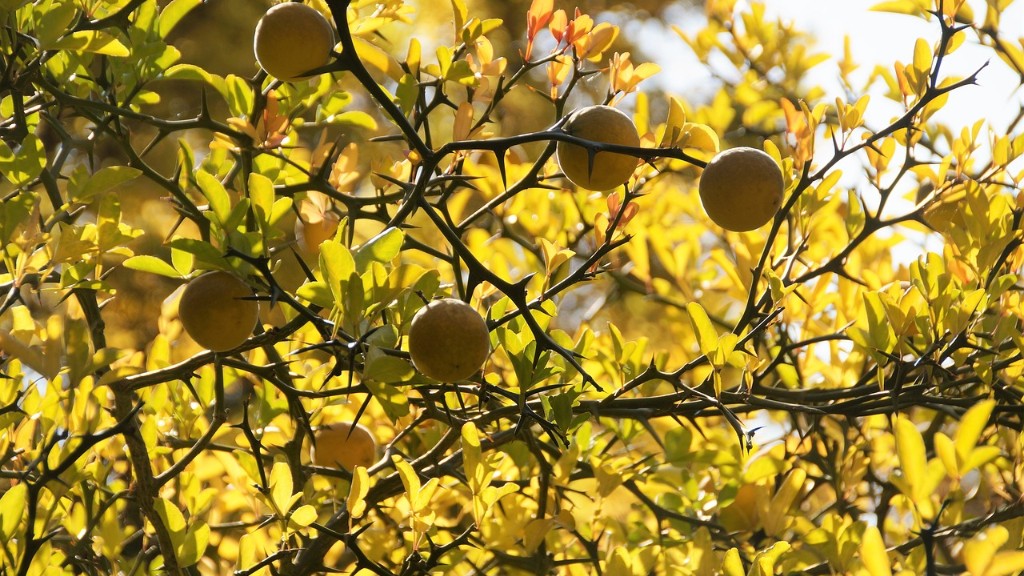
[346, 445]
[217, 311]
[608, 170]
[741, 189]
[291, 39]
[448, 340]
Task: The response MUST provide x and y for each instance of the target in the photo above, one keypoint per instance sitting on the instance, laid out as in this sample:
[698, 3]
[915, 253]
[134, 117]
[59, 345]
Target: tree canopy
[838, 391]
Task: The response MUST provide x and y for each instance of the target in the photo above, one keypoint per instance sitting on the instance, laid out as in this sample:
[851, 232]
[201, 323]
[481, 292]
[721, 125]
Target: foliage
[662, 397]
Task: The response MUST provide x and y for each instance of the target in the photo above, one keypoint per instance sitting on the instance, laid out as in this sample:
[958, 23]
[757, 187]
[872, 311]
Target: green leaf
[173, 13]
[174, 521]
[12, 508]
[204, 251]
[24, 165]
[355, 118]
[103, 181]
[152, 265]
[337, 265]
[381, 248]
[193, 72]
[193, 545]
[316, 292]
[95, 41]
[388, 369]
[216, 195]
[707, 336]
[261, 194]
[391, 399]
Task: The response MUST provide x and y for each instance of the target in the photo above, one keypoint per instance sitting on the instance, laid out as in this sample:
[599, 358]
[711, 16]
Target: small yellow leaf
[874, 554]
[360, 487]
[707, 336]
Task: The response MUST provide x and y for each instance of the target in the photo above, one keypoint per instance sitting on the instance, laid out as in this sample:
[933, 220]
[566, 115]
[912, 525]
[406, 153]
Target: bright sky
[882, 38]
[875, 38]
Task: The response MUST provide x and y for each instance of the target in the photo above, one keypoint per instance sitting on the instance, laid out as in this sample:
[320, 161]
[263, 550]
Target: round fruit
[215, 312]
[346, 445]
[448, 340]
[741, 189]
[602, 124]
[292, 39]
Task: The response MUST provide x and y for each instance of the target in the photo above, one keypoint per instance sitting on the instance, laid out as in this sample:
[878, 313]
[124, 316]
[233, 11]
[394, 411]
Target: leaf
[383, 248]
[303, 515]
[972, 424]
[782, 501]
[472, 457]
[281, 487]
[410, 479]
[460, 14]
[95, 41]
[388, 369]
[707, 336]
[911, 452]
[946, 452]
[337, 265]
[216, 195]
[360, 487]
[152, 265]
[1005, 563]
[732, 565]
[373, 56]
[171, 516]
[193, 545]
[391, 399]
[173, 13]
[24, 165]
[104, 180]
[12, 508]
[873, 553]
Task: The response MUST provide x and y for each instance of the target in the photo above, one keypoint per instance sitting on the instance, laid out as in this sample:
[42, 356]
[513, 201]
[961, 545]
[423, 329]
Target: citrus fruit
[215, 312]
[448, 340]
[292, 39]
[346, 445]
[602, 124]
[741, 189]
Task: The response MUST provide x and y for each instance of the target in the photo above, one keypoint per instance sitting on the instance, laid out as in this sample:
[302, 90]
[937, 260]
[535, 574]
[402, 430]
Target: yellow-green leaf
[707, 336]
[281, 487]
[971, 426]
[873, 553]
[360, 487]
[95, 41]
[303, 515]
[12, 508]
[911, 452]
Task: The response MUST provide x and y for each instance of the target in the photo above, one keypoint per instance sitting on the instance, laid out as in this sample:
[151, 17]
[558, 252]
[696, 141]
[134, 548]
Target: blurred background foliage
[838, 392]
